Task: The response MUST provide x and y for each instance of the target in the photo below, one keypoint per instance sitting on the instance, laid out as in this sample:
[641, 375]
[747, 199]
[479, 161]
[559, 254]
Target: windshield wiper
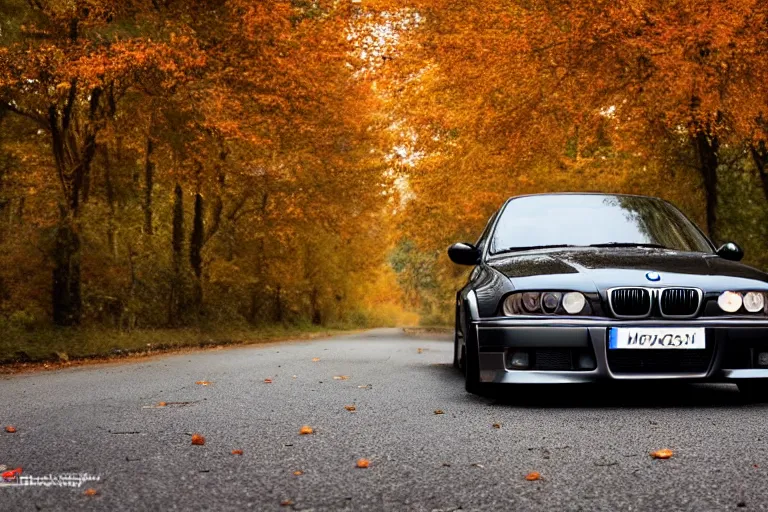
[629, 244]
[534, 248]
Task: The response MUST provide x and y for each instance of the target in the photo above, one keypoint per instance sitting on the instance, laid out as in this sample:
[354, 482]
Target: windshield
[586, 220]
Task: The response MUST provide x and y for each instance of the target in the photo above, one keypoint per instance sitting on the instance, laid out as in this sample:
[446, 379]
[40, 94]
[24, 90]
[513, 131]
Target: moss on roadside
[44, 344]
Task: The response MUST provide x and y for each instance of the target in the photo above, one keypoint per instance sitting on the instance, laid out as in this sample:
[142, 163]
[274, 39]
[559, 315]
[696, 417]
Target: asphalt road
[590, 444]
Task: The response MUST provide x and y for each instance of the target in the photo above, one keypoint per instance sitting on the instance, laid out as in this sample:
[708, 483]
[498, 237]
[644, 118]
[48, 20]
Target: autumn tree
[66, 72]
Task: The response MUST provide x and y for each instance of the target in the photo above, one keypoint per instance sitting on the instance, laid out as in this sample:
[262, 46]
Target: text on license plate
[656, 337]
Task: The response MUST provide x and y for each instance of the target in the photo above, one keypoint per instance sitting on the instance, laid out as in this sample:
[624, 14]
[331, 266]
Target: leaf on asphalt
[350, 408]
[533, 476]
[306, 430]
[198, 440]
[662, 454]
[267, 381]
[363, 463]
[497, 425]
[315, 359]
[287, 503]
[341, 377]
[298, 472]
[419, 350]
[439, 411]
[10, 429]
[90, 492]
[237, 452]
[203, 383]
[367, 386]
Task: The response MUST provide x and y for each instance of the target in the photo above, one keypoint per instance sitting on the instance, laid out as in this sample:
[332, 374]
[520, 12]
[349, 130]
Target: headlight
[730, 302]
[548, 303]
[754, 302]
[532, 301]
[513, 305]
[573, 303]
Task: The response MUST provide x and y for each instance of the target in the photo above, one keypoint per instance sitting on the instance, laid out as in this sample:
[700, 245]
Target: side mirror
[464, 254]
[730, 251]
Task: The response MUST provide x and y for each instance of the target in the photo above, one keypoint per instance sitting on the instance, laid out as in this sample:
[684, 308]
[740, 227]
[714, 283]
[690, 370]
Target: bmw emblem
[653, 276]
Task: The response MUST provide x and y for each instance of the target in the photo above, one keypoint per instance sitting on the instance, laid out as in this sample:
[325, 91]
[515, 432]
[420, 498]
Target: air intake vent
[630, 302]
[679, 302]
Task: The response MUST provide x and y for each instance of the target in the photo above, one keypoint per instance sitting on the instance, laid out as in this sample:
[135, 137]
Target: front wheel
[754, 390]
[456, 347]
[472, 366]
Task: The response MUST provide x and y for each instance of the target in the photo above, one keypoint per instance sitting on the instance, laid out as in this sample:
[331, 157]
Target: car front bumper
[732, 348]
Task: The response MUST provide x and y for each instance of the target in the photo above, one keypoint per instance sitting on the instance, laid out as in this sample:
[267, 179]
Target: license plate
[656, 338]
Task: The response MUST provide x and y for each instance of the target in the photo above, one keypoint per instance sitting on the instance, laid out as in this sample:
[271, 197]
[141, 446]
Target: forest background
[176, 172]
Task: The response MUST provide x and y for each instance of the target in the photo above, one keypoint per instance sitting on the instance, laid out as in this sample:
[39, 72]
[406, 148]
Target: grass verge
[62, 345]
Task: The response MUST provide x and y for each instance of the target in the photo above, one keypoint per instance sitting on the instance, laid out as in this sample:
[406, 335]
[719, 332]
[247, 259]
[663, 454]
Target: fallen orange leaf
[203, 383]
[267, 381]
[306, 430]
[439, 411]
[363, 463]
[532, 476]
[298, 472]
[315, 359]
[10, 429]
[419, 350]
[237, 452]
[286, 503]
[497, 425]
[340, 377]
[162, 404]
[662, 454]
[198, 440]
[91, 492]
[350, 408]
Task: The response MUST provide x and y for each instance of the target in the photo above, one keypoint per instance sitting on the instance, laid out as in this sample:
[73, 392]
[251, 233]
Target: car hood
[597, 269]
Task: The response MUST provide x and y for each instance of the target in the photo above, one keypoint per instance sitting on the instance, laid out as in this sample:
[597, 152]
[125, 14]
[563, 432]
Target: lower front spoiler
[582, 377]
[497, 337]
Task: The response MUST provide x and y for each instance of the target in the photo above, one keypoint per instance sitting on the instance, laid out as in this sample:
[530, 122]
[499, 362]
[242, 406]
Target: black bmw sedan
[570, 288]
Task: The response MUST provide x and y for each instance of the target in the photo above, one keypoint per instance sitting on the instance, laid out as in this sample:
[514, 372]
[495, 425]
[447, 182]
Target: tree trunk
[707, 148]
[177, 245]
[760, 157]
[74, 146]
[66, 299]
[254, 307]
[316, 317]
[110, 191]
[278, 305]
[196, 249]
[149, 171]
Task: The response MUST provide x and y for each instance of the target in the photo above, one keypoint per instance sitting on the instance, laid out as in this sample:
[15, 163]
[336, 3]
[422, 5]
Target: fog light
[519, 360]
[586, 362]
[762, 359]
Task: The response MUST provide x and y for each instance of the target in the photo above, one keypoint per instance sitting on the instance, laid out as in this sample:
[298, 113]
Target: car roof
[606, 194]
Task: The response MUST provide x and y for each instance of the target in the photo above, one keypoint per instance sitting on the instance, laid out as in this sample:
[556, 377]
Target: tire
[472, 365]
[456, 342]
[754, 390]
